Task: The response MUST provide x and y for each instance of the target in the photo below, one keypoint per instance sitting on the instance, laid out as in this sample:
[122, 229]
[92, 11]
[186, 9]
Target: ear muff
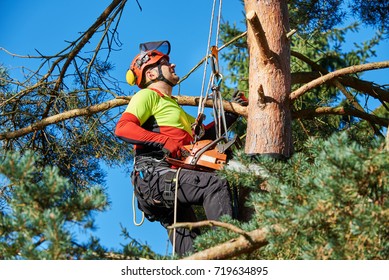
[130, 77]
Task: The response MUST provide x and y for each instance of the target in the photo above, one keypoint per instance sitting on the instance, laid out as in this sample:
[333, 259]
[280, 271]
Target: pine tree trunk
[269, 117]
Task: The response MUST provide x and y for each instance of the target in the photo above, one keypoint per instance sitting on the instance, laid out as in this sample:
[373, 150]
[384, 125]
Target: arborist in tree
[158, 128]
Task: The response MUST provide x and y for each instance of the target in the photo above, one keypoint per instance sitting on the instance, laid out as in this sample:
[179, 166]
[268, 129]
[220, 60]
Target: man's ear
[151, 74]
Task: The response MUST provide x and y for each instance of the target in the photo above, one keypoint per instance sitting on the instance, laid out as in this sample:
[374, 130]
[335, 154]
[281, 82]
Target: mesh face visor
[147, 48]
[162, 46]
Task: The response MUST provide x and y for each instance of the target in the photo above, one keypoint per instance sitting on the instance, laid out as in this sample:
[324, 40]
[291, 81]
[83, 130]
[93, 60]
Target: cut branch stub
[260, 36]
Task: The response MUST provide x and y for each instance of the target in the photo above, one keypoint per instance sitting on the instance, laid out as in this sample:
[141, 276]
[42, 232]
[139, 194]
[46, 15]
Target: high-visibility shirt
[152, 117]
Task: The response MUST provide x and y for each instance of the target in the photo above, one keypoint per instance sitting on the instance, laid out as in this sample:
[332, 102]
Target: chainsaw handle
[204, 149]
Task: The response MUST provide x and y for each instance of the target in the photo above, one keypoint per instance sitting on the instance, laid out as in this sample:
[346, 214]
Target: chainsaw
[205, 155]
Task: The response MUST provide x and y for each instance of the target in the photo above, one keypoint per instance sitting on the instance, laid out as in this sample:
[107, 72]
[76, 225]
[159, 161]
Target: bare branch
[210, 223]
[348, 70]
[260, 36]
[335, 81]
[366, 87]
[309, 113]
[182, 100]
[86, 37]
[228, 106]
[119, 101]
[236, 247]
[87, 111]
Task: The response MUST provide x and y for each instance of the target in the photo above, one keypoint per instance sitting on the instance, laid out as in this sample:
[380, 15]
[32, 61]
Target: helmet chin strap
[160, 77]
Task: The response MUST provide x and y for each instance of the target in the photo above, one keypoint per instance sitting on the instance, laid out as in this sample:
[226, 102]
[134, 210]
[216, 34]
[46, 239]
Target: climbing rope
[186, 76]
[134, 212]
[175, 210]
[203, 97]
[207, 53]
[214, 81]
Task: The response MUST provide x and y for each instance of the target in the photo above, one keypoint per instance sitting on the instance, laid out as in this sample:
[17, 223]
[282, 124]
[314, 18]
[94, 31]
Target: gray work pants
[195, 188]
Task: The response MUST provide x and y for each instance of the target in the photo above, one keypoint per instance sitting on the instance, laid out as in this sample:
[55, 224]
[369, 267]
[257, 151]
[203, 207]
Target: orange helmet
[151, 53]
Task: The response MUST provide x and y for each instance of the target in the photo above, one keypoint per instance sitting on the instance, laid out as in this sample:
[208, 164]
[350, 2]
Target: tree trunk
[269, 114]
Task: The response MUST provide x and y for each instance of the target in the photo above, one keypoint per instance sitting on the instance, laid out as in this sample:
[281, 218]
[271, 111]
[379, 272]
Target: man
[158, 127]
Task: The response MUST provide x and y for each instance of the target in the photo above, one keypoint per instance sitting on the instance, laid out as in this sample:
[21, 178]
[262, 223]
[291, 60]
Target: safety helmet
[150, 54]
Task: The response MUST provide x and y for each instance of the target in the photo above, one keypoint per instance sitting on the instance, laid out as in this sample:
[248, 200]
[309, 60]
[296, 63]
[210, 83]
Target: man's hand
[239, 98]
[172, 149]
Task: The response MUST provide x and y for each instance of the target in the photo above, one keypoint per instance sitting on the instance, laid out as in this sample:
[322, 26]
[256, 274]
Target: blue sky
[45, 25]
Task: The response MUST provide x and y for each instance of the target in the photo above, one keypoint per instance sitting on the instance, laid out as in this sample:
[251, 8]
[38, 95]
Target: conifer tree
[330, 202]
[42, 215]
[329, 199]
[43, 212]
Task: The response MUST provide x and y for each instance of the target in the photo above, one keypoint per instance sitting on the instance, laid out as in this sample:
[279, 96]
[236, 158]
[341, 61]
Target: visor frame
[161, 46]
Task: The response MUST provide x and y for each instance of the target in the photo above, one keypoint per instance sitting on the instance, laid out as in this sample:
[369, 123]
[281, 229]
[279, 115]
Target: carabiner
[215, 60]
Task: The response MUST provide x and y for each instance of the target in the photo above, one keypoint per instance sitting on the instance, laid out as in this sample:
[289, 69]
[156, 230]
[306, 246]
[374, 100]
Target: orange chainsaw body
[202, 155]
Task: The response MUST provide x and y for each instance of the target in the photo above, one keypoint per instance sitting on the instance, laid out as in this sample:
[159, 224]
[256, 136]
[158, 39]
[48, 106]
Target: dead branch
[210, 223]
[228, 106]
[366, 87]
[335, 81]
[260, 36]
[309, 113]
[119, 101]
[182, 100]
[86, 37]
[328, 77]
[87, 111]
[236, 247]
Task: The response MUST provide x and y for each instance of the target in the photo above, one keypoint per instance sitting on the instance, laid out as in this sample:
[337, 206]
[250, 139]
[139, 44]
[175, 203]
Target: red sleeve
[128, 129]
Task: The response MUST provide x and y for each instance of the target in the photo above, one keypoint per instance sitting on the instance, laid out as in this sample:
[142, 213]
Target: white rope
[175, 211]
[134, 212]
[218, 22]
[203, 97]
[206, 57]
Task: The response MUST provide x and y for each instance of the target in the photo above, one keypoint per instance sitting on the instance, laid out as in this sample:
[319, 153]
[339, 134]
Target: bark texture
[269, 115]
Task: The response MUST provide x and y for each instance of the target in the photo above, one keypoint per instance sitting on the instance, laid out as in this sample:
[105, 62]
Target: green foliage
[43, 211]
[331, 202]
[374, 13]
[136, 249]
[331, 197]
[327, 51]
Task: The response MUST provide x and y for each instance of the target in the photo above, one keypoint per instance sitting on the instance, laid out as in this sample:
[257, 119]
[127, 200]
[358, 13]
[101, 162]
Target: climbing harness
[145, 167]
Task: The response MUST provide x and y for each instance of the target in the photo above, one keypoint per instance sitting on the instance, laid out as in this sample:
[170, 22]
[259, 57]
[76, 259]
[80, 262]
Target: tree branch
[236, 247]
[210, 223]
[182, 100]
[87, 111]
[119, 101]
[260, 36]
[360, 85]
[86, 37]
[335, 81]
[328, 77]
[309, 113]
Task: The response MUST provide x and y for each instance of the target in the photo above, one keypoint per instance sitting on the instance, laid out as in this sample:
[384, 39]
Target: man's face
[168, 71]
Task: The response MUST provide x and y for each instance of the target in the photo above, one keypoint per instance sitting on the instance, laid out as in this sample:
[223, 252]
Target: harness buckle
[168, 193]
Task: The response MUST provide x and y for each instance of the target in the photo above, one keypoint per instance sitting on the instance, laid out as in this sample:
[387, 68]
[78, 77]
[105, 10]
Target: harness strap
[147, 167]
[168, 194]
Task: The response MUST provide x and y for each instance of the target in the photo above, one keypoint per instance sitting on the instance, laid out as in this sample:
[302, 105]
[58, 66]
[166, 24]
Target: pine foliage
[330, 199]
[330, 202]
[43, 212]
